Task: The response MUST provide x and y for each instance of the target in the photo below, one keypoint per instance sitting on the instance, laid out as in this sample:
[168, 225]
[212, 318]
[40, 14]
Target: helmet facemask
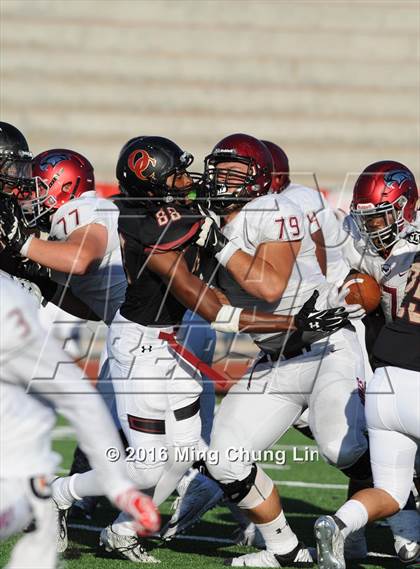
[16, 173]
[37, 206]
[380, 225]
[229, 188]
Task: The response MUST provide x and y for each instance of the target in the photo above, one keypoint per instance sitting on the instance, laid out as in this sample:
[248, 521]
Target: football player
[392, 415]
[310, 201]
[269, 263]
[82, 252]
[326, 229]
[36, 376]
[157, 381]
[383, 212]
[16, 182]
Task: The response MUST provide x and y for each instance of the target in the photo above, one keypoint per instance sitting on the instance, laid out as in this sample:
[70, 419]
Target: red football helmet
[231, 187]
[384, 201]
[280, 176]
[60, 175]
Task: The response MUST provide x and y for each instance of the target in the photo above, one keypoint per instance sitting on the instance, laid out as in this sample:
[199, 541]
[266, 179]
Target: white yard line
[298, 484]
[211, 539]
[63, 432]
[272, 466]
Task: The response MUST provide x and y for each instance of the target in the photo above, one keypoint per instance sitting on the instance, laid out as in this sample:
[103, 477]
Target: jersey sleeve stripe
[174, 244]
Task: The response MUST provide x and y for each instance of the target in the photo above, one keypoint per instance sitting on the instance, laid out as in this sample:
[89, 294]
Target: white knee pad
[259, 492]
[249, 491]
[341, 453]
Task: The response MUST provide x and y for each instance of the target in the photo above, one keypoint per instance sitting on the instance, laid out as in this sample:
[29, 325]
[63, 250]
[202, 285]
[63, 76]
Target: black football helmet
[15, 162]
[143, 168]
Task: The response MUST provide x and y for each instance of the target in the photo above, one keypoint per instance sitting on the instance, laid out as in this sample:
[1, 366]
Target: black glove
[309, 319]
[210, 238]
[12, 225]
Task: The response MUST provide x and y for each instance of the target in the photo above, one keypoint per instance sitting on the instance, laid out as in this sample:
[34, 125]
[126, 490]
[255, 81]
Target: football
[366, 293]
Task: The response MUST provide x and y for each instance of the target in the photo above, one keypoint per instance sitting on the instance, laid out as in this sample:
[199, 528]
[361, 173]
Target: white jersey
[103, 288]
[266, 219]
[391, 273]
[319, 215]
[36, 376]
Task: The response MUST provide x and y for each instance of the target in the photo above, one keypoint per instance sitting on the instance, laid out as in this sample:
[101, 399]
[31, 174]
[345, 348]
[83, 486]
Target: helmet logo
[398, 176]
[139, 161]
[53, 160]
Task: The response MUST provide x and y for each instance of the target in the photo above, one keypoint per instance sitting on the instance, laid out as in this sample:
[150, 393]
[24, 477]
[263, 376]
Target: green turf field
[309, 489]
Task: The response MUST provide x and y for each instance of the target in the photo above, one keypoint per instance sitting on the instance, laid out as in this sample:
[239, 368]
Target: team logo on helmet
[139, 161]
[53, 160]
[396, 176]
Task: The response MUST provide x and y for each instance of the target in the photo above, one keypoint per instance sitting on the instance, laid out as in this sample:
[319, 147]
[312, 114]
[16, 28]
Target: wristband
[227, 319]
[25, 247]
[226, 253]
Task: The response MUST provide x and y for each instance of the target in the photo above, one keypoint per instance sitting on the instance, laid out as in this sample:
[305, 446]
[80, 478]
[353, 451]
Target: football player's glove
[12, 226]
[142, 509]
[308, 319]
[337, 298]
[212, 240]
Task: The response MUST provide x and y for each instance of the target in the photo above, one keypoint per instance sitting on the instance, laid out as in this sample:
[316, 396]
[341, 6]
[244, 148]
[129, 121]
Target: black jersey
[142, 232]
[398, 343]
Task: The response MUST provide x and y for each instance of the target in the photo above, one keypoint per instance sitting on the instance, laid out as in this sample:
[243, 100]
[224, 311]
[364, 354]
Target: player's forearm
[261, 322]
[198, 297]
[64, 257]
[256, 276]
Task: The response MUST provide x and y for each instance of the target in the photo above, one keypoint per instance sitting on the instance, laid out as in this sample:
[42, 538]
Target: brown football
[366, 293]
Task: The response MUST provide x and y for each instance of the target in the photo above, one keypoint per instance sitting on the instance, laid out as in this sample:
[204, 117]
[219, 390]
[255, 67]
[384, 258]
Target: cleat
[355, 546]
[298, 557]
[62, 541]
[249, 536]
[200, 496]
[125, 546]
[405, 526]
[329, 544]
[409, 553]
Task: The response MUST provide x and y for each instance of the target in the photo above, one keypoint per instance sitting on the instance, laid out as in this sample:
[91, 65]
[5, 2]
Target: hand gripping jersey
[142, 232]
[398, 343]
[319, 215]
[274, 218]
[390, 273]
[103, 287]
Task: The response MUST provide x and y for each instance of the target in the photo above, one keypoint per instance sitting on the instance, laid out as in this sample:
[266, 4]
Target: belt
[275, 356]
[199, 365]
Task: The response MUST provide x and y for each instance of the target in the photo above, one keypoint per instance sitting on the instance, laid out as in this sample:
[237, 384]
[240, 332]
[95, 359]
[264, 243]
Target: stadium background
[337, 84]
